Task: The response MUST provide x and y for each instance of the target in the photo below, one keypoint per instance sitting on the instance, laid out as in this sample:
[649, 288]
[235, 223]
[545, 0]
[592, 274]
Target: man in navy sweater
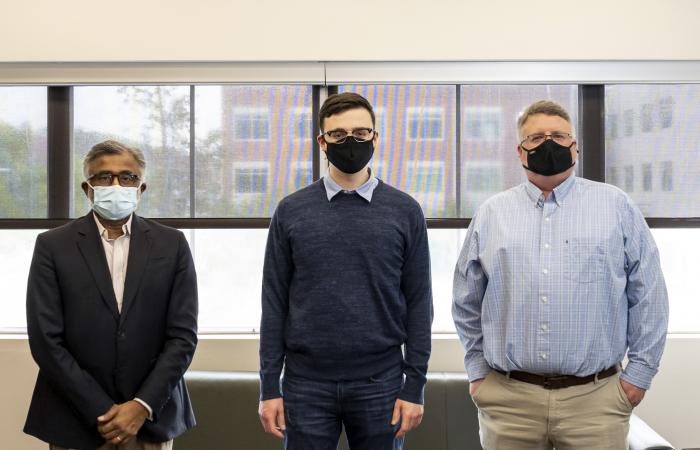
[346, 285]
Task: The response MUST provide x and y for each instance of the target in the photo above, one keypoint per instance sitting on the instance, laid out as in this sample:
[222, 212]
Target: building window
[251, 177]
[666, 112]
[646, 177]
[425, 124]
[612, 176]
[611, 126]
[302, 174]
[647, 117]
[482, 124]
[426, 176]
[251, 124]
[300, 124]
[482, 176]
[629, 178]
[667, 176]
[628, 119]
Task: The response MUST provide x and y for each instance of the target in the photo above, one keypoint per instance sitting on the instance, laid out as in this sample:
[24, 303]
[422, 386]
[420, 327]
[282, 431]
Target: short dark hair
[345, 101]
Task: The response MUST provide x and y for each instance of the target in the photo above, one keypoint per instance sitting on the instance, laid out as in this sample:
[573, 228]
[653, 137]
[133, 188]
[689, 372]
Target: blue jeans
[315, 412]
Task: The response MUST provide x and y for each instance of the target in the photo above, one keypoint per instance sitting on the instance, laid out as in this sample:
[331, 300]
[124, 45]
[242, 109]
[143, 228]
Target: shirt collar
[365, 191]
[558, 194]
[101, 229]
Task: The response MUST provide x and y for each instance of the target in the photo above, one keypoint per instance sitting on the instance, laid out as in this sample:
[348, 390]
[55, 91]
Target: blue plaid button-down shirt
[563, 285]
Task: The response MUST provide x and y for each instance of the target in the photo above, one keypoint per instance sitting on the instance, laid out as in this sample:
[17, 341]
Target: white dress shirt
[117, 254]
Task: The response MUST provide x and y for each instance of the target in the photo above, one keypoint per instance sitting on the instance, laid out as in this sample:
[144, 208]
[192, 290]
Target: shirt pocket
[585, 261]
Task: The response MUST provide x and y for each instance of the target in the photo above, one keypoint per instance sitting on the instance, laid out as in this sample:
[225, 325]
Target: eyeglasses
[534, 140]
[339, 136]
[126, 179]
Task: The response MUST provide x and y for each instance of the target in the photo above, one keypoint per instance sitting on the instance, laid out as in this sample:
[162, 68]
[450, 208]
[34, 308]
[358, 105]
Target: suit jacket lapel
[93, 252]
[139, 249]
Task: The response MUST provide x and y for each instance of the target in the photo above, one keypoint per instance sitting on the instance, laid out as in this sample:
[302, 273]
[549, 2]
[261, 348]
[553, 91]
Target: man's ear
[86, 189]
[143, 187]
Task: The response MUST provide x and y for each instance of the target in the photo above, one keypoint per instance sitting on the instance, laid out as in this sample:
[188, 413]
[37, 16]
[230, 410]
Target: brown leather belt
[558, 381]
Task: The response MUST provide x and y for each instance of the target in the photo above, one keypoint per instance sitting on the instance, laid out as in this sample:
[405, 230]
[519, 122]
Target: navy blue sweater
[346, 284]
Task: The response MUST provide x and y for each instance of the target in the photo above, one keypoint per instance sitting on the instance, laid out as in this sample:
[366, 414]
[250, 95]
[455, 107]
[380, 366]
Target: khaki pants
[522, 416]
[134, 444]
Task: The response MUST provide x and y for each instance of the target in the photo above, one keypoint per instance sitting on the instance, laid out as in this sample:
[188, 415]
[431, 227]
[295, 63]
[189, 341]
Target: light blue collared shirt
[562, 285]
[365, 191]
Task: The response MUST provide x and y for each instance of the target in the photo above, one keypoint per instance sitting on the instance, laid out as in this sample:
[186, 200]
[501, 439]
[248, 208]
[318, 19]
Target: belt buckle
[554, 382]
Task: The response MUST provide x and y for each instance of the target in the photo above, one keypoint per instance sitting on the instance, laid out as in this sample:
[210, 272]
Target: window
[611, 126]
[629, 178]
[425, 123]
[16, 248]
[229, 277]
[236, 150]
[300, 124]
[628, 117]
[23, 180]
[679, 249]
[611, 176]
[415, 123]
[666, 112]
[288, 145]
[482, 123]
[482, 179]
[667, 153]
[251, 177]
[647, 117]
[251, 124]
[646, 177]
[490, 165]
[667, 176]
[303, 175]
[155, 119]
[426, 176]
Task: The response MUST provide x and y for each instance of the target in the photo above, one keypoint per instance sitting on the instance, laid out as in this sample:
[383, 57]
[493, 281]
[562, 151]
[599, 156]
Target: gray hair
[546, 107]
[111, 147]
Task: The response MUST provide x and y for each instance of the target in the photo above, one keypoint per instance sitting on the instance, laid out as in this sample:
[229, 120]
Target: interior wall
[369, 30]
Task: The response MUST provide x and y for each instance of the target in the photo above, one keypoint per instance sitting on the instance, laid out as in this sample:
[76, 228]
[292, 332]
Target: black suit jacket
[90, 356]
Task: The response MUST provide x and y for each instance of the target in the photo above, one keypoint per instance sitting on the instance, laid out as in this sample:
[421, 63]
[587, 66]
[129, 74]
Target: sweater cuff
[413, 390]
[270, 387]
[638, 374]
[477, 367]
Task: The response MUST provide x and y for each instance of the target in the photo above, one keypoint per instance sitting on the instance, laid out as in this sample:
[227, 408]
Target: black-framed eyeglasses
[126, 179]
[338, 136]
[534, 140]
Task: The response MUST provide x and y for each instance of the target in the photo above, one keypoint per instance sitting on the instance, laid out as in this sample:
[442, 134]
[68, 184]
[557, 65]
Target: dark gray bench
[226, 404]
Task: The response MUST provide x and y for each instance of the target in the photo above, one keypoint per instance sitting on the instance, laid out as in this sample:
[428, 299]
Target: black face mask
[549, 158]
[350, 156]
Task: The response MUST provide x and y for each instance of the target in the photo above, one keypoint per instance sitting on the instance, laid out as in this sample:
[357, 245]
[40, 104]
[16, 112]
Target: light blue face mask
[115, 202]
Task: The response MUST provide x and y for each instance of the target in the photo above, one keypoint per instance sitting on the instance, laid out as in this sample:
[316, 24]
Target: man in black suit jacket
[111, 318]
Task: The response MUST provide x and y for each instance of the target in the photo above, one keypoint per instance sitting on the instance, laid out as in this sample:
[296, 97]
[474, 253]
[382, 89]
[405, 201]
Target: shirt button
[544, 327]
[544, 299]
[545, 271]
[546, 245]
[543, 356]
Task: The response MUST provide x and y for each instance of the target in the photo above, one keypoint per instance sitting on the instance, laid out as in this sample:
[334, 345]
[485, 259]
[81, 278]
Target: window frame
[591, 136]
